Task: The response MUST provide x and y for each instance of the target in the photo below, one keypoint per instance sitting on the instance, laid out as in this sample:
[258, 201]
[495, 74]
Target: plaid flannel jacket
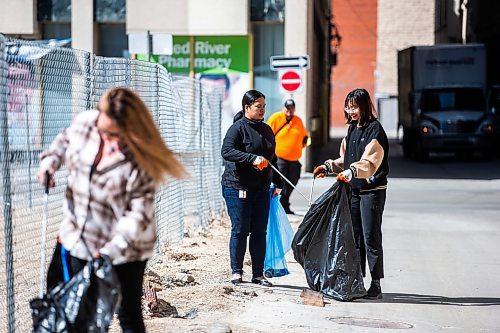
[109, 209]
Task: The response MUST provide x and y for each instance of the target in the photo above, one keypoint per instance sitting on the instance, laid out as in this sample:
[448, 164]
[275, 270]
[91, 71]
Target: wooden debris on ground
[313, 298]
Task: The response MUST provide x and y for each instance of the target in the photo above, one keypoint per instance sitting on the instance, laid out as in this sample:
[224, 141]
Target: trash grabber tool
[289, 182]
[312, 190]
[44, 232]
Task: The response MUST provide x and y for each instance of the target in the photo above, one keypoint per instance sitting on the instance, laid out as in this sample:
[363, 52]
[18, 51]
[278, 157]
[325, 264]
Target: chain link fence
[41, 90]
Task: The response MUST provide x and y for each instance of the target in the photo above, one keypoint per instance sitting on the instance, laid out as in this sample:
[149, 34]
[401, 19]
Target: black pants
[366, 213]
[131, 277]
[248, 217]
[290, 170]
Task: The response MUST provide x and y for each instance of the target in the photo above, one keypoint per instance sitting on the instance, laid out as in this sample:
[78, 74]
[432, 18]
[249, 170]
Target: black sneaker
[375, 291]
[262, 281]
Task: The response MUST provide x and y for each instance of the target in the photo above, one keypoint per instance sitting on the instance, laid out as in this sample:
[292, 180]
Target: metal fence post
[6, 195]
[88, 63]
[91, 76]
[203, 159]
[54, 84]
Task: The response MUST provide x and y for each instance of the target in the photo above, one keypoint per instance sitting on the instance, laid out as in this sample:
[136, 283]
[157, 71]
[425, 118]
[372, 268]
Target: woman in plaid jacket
[116, 159]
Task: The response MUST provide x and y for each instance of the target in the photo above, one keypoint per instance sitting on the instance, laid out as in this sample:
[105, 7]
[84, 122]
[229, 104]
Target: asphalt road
[441, 234]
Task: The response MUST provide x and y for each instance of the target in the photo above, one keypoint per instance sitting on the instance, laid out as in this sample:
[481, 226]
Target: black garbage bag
[85, 303]
[324, 246]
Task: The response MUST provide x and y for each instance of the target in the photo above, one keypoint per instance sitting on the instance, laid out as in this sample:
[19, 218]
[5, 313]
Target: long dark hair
[250, 97]
[360, 98]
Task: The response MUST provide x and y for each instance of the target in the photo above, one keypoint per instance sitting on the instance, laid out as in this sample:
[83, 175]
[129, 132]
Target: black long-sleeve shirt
[244, 141]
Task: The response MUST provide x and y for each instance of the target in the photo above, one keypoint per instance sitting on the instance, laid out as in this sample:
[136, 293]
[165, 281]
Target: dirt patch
[191, 283]
[183, 256]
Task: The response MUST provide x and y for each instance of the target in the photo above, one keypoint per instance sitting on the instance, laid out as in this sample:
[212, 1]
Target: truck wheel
[421, 154]
[407, 150]
[465, 155]
[488, 155]
[408, 144]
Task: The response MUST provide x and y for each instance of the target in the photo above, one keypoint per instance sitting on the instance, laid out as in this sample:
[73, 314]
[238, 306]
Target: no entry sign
[290, 80]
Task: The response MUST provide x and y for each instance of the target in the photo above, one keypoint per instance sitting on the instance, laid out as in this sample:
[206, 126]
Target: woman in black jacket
[247, 150]
[363, 163]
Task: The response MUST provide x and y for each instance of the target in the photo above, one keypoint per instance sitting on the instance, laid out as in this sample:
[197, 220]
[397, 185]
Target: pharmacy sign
[227, 53]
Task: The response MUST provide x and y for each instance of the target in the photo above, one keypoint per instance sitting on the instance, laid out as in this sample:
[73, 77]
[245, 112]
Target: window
[267, 10]
[110, 11]
[269, 41]
[55, 30]
[113, 41]
[54, 10]
[453, 99]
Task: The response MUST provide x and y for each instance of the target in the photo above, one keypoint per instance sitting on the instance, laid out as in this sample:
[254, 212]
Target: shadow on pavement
[433, 299]
[438, 166]
[286, 286]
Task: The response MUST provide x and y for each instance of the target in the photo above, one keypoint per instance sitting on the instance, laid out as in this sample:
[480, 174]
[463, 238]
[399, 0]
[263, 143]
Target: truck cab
[442, 100]
[453, 119]
[494, 108]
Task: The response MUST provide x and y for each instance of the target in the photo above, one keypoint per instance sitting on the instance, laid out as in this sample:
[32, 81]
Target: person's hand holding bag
[345, 176]
[260, 163]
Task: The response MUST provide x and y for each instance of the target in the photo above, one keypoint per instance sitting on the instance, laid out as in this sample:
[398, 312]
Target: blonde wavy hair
[139, 132]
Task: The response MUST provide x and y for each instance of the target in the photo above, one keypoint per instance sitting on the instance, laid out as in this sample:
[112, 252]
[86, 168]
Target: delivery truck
[442, 100]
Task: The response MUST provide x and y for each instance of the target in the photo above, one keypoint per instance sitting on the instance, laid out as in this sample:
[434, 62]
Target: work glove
[324, 169]
[345, 176]
[330, 166]
[260, 163]
[320, 171]
[277, 191]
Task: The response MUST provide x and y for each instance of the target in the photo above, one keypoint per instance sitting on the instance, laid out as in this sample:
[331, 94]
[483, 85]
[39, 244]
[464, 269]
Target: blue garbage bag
[279, 240]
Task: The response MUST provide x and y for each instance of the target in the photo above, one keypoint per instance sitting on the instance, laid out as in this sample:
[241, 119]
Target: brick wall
[357, 24]
[401, 23]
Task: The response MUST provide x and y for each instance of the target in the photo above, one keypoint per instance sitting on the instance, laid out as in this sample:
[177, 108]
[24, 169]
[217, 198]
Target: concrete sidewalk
[441, 270]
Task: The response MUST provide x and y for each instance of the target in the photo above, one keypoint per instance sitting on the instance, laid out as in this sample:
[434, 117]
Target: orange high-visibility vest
[290, 139]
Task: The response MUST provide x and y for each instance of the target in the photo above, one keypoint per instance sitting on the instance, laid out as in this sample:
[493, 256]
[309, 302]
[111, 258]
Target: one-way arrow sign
[289, 62]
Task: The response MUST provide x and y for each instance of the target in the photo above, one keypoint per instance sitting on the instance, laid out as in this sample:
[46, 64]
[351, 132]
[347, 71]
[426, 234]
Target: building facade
[466, 21]
[372, 32]
[401, 24]
[356, 23]
[292, 27]
[225, 42]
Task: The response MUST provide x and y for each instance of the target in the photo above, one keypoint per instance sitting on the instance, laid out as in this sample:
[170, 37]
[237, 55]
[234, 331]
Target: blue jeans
[248, 217]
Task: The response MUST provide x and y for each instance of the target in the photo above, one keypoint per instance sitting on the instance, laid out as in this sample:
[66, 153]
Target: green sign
[212, 54]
